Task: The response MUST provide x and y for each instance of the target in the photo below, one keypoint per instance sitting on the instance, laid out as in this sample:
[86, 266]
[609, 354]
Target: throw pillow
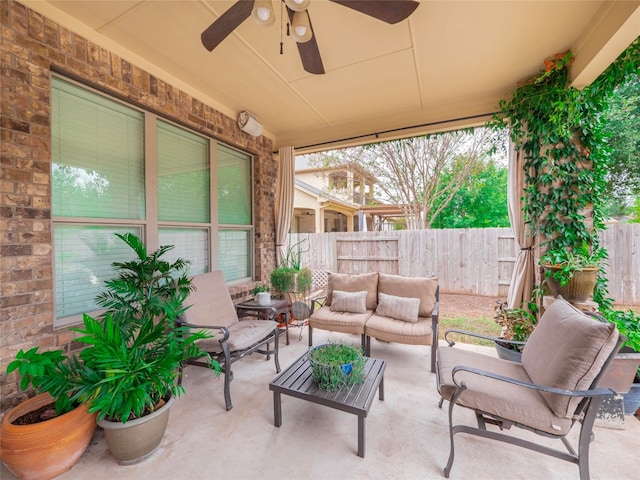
[415, 287]
[400, 308]
[352, 302]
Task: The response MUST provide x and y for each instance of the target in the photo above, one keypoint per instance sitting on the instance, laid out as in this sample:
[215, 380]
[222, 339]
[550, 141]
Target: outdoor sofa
[391, 308]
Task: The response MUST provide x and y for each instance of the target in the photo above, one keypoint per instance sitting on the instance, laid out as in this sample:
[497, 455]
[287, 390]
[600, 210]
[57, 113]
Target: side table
[270, 311]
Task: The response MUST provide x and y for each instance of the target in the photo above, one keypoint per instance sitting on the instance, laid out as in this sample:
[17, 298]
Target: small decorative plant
[290, 276]
[265, 287]
[628, 324]
[336, 365]
[517, 324]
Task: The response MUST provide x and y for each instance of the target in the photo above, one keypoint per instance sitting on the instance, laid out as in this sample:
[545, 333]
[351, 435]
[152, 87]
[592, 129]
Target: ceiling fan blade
[226, 23]
[390, 11]
[309, 51]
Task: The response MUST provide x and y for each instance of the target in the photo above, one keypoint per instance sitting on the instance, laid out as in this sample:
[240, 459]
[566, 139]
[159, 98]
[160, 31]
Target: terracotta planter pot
[579, 288]
[44, 450]
[135, 440]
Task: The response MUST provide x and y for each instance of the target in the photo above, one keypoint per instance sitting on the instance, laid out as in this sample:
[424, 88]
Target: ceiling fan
[389, 11]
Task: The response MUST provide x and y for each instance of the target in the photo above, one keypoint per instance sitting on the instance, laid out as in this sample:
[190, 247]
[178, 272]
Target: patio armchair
[554, 386]
[212, 309]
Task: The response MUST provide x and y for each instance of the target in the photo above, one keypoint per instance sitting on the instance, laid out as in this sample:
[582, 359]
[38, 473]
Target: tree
[423, 174]
[482, 204]
[622, 125]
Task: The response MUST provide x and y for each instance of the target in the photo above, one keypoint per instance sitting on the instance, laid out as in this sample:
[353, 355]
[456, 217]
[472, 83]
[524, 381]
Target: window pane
[183, 175]
[234, 187]
[191, 244]
[97, 155]
[234, 256]
[83, 258]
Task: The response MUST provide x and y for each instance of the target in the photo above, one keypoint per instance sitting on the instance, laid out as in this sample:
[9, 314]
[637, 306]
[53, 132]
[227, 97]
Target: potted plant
[290, 276]
[573, 273]
[47, 434]
[129, 370]
[626, 366]
[262, 294]
[335, 365]
[517, 325]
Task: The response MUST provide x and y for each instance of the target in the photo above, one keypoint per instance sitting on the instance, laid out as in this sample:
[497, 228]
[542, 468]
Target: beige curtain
[522, 279]
[284, 199]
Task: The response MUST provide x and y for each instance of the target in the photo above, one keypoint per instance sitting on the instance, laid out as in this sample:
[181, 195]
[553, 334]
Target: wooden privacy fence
[466, 261]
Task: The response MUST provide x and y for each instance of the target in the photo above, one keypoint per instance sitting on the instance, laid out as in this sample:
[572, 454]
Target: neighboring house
[330, 199]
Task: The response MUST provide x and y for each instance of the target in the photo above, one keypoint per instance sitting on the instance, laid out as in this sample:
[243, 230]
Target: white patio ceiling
[448, 65]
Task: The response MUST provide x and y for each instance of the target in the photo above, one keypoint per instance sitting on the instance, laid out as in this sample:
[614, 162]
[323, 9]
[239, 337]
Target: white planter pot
[264, 298]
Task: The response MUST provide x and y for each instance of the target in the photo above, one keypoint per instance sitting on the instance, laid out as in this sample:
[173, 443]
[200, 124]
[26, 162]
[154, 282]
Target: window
[117, 169]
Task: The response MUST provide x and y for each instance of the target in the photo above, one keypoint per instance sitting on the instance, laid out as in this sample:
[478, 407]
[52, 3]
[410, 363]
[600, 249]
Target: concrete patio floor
[406, 434]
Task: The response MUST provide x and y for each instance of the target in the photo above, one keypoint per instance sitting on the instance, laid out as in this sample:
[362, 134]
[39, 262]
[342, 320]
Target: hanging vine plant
[559, 129]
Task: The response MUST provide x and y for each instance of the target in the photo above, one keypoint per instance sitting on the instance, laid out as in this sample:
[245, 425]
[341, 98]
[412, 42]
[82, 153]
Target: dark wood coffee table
[296, 381]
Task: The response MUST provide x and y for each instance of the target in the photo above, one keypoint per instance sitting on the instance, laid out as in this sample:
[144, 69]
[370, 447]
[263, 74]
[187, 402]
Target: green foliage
[571, 261]
[329, 366]
[481, 204]
[265, 287]
[134, 351]
[560, 130]
[290, 276]
[517, 323]
[628, 323]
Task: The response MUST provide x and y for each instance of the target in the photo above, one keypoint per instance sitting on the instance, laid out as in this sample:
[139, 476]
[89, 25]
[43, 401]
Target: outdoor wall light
[249, 123]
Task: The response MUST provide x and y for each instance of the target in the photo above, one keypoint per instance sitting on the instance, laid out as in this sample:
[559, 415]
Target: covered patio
[406, 434]
[446, 67]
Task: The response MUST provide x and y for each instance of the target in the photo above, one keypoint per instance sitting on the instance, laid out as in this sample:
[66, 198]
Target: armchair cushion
[567, 350]
[400, 308]
[354, 283]
[501, 399]
[242, 335]
[411, 287]
[354, 302]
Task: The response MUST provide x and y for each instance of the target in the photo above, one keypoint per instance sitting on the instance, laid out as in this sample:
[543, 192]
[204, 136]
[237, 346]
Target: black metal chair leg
[277, 349]
[228, 376]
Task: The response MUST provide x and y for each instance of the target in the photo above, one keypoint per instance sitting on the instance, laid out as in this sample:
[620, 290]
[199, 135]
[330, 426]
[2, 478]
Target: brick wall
[31, 46]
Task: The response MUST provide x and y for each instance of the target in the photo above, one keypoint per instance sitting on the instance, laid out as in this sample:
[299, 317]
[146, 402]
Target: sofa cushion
[399, 331]
[354, 283]
[354, 302]
[400, 308]
[343, 322]
[567, 350]
[412, 287]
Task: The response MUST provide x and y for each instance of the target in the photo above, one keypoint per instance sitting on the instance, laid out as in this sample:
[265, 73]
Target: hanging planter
[579, 288]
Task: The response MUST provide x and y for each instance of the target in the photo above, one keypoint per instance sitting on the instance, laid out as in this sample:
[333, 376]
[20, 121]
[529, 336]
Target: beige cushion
[567, 350]
[210, 303]
[354, 283]
[354, 302]
[412, 287]
[242, 335]
[343, 322]
[399, 331]
[399, 308]
[505, 400]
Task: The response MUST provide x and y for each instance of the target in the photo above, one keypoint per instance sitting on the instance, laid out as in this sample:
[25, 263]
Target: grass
[481, 325]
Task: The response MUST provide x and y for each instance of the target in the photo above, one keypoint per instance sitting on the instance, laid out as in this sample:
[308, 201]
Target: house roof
[322, 196]
[444, 67]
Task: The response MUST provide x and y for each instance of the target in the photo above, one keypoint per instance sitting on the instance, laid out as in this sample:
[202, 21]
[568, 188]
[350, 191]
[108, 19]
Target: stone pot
[45, 450]
[263, 298]
[579, 288]
[507, 353]
[134, 441]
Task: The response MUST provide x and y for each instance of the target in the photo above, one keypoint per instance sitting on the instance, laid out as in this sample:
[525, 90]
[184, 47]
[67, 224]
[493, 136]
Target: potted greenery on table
[129, 370]
[290, 276]
[336, 365]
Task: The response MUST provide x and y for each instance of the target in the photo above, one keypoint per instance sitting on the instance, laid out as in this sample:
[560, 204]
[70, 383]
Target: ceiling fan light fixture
[297, 5]
[301, 27]
[262, 13]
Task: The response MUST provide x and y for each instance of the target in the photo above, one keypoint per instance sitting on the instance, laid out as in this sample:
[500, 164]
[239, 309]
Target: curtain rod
[394, 130]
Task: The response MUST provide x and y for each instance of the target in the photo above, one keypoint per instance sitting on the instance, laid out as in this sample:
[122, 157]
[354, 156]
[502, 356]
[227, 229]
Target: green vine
[560, 130]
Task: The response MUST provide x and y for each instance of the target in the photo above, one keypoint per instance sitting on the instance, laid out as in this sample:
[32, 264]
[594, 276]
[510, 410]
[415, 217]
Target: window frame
[150, 225]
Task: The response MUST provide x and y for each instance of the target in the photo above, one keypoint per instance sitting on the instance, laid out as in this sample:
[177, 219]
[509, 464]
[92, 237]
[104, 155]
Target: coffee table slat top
[297, 381]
